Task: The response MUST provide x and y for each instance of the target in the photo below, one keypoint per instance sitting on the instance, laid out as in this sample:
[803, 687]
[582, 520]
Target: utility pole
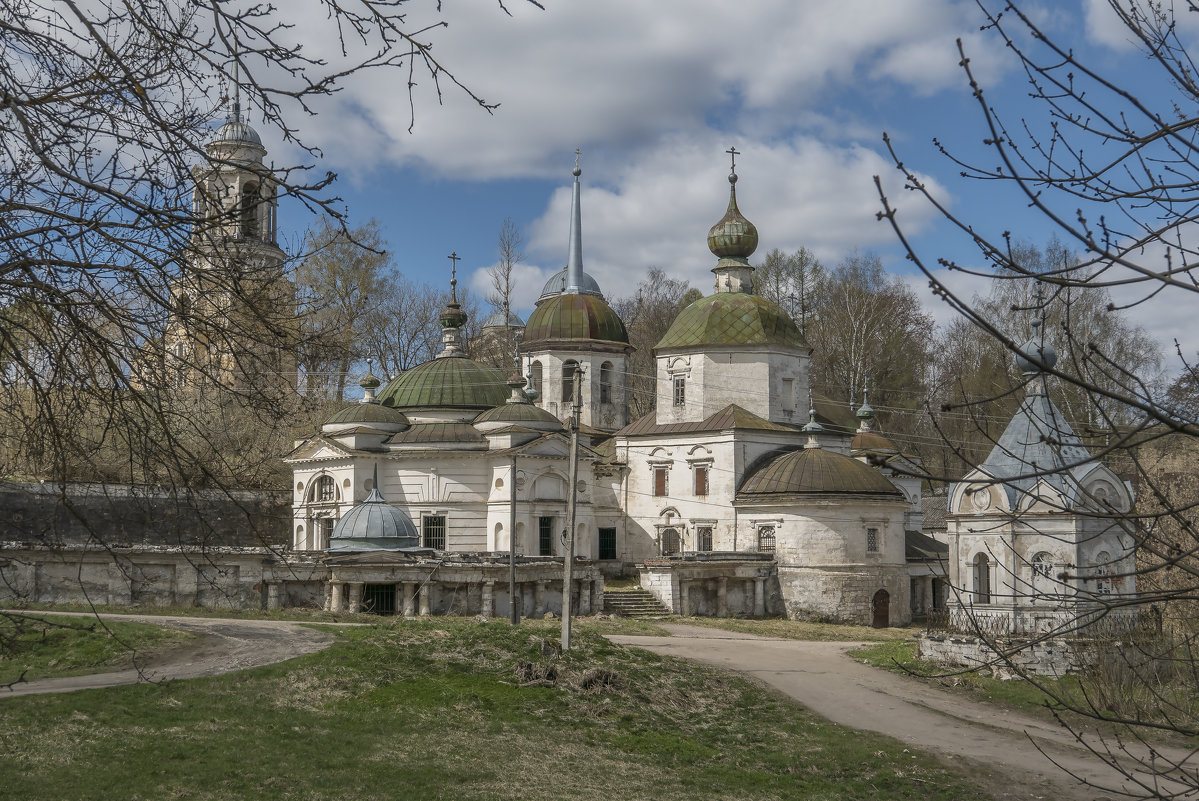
[513, 602]
[571, 507]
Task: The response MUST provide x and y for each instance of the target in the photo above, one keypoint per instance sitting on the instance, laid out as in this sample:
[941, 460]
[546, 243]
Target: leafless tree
[648, 315]
[1110, 161]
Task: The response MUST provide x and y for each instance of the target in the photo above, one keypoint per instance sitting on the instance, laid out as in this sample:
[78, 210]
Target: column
[684, 598]
[409, 602]
[272, 596]
[488, 599]
[539, 599]
[398, 604]
[759, 597]
[335, 596]
[722, 596]
[584, 597]
[597, 590]
[356, 596]
[425, 591]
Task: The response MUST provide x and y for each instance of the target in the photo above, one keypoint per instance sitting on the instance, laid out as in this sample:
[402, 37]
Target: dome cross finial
[733, 154]
[454, 258]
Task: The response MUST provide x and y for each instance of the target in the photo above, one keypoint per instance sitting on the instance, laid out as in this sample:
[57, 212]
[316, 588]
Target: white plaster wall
[753, 377]
[604, 416]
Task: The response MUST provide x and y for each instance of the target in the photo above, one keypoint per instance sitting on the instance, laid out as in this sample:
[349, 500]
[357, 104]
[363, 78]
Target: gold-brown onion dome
[815, 471]
[734, 237]
[574, 317]
[447, 383]
[732, 318]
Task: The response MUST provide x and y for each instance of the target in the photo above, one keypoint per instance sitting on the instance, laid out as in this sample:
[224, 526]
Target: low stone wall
[845, 594]
[718, 587]
[37, 514]
[1052, 656]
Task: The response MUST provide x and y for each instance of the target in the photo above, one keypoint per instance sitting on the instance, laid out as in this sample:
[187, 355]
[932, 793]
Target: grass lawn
[46, 647]
[800, 629]
[452, 709]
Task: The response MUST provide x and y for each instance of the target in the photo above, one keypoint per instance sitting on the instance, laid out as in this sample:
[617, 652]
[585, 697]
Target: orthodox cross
[732, 151]
[454, 257]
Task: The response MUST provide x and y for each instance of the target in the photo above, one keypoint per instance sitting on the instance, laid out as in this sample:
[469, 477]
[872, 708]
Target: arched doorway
[880, 608]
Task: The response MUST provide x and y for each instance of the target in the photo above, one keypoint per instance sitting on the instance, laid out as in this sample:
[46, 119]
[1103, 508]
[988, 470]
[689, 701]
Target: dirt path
[1016, 752]
[228, 645]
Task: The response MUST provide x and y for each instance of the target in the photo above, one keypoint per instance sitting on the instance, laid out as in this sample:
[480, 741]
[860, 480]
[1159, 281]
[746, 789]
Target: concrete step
[635, 603]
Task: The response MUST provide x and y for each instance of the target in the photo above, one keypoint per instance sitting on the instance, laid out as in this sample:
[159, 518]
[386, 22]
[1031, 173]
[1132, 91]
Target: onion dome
[369, 415]
[733, 238]
[814, 471]
[574, 317]
[556, 285]
[374, 525]
[457, 383]
[732, 318]
[1037, 349]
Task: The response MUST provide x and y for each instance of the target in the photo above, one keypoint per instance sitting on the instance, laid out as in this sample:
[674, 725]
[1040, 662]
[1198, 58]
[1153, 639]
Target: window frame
[679, 390]
[429, 534]
[545, 535]
[325, 490]
[767, 539]
[660, 473]
[605, 387]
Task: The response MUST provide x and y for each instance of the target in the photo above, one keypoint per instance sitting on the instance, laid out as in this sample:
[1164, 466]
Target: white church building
[734, 497]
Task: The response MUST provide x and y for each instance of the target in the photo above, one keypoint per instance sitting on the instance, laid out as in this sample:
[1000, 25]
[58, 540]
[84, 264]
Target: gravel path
[228, 645]
[1013, 753]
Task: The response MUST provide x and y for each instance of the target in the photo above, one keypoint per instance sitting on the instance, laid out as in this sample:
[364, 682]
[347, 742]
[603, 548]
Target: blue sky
[653, 94]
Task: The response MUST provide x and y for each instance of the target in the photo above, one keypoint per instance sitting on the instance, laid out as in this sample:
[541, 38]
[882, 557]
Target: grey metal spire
[574, 263]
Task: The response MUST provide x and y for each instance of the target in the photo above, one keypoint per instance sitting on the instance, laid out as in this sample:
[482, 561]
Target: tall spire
[574, 263]
[812, 428]
[865, 413]
[733, 240]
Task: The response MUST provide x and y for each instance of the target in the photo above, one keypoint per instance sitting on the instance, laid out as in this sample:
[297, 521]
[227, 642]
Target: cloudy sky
[654, 93]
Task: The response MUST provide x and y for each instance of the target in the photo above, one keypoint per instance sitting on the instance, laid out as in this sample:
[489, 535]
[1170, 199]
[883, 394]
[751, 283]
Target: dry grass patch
[801, 629]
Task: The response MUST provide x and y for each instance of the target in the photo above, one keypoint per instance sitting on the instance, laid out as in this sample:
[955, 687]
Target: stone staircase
[633, 602]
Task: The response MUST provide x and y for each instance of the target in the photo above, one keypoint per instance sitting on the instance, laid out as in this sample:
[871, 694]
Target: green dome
[574, 316]
[734, 237]
[452, 382]
[367, 413]
[814, 471]
[525, 414]
[732, 318]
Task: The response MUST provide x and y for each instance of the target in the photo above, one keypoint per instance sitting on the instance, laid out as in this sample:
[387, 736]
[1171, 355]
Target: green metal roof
[367, 413]
[517, 413]
[454, 382]
[437, 434]
[732, 318]
[814, 471]
[574, 316]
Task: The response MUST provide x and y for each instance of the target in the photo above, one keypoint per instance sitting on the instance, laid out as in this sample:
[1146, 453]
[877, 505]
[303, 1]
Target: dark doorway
[379, 599]
[545, 536]
[880, 607]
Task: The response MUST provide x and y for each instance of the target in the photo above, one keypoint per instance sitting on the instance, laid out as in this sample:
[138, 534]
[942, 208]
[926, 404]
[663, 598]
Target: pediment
[318, 448]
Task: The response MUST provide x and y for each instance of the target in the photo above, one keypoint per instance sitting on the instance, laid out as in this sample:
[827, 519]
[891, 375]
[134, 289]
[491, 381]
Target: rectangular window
[607, 543]
[766, 539]
[872, 540]
[680, 390]
[703, 538]
[323, 532]
[545, 536]
[660, 482]
[433, 532]
[701, 480]
[788, 395]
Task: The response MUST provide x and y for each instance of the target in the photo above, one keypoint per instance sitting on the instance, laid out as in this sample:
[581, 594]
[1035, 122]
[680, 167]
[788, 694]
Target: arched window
[569, 369]
[535, 377]
[249, 210]
[606, 382]
[765, 539]
[1103, 568]
[326, 490]
[1042, 575]
[982, 579]
[671, 542]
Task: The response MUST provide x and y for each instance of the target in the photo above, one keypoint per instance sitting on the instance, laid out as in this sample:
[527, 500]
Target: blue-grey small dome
[238, 131]
[557, 285]
[496, 320]
[374, 525]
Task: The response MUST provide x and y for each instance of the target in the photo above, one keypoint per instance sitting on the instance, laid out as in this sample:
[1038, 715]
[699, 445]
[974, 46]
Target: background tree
[867, 325]
[1113, 169]
[647, 316]
[497, 348]
[789, 280]
[341, 281]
